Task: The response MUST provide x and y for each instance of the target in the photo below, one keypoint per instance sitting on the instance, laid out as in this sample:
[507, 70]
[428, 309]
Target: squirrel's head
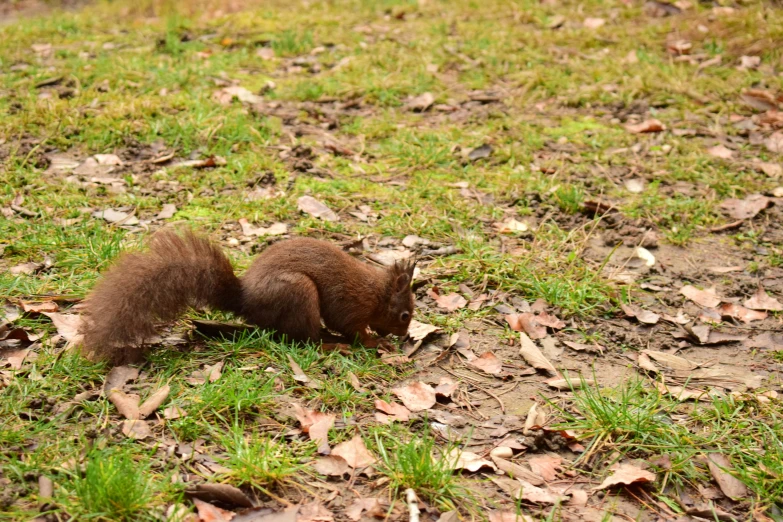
[397, 310]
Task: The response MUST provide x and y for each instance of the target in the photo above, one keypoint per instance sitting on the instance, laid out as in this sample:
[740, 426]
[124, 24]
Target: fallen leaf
[154, 401]
[643, 316]
[496, 515]
[720, 151]
[390, 257]
[209, 513]
[681, 393]
[705, 298]
[314, 512]
[67, 324]
[310, 205]
[746, 208]
[749, 62]
[372, 506]
[730, 310]
[593, 23]
[537, 495]
[773, 170]
[546, 466]
[419, 331]
[550, 320]
[763, 301]
[759, 99]
[450, 302]
[300, 376]
[174, 412]
[719, 469]
[646, 126]
[516, 471]
[225, 494]
[265, 53]
[416, 396]
[675, 362]
[422, 102]
[411, 241]
[204, 163]
[634, 186]
[511, 225]
[166, 212]
[488, 363]
[563, 384]
[136, 429]
[16, 358]
[530, 352]
[332, 466]
[275, 229]
[354, 452]
[446, 387]
[581, 347]
[226, 95]
[646, 364]
[209, 373]
[317, 425]
[645, 255]
[481, 152]
[458, 459]
[127, 404]
[116, 217]
[26, 268]
[118, 376]
[37, 308]
[626, 474]
[527, 323]
[394, 412]
[775, 143]
[107, 159]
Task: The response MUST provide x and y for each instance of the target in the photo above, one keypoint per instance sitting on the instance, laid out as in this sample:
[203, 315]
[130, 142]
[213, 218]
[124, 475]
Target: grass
[138, 79]
[637, 421]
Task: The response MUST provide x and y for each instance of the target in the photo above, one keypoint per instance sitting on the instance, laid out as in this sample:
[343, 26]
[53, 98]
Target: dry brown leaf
[775, 143]
[136, 429]
[550, 320]
[719, 469]
[672, 361]
[626, 474]
[314, 512]
[517, 471]
[166, 212]
[705, 298]
[646, 364]
[332, 465]
[316, 424]
[354, 452]
[746, 208]
[537, 495]
[372, 506]
[446, 386]
[458, 459]
[488, 363]
[563, 384]
[581, 347]
[422, 102]
[593, 23]
[546, 466]
[634, 186]
[127, 404]
[411, 241]
[116, 217]
[720, 151]
[681, 393]
[209, 513]
[450, 302]
[225, 494]
[299, 374]
[118, 376]
[275, 229]
[154, 401]
[394, 412]
[527, 323]
[497, 515]
[174, 412]
[740, 312]
[763, 301]
[643, 316]
[16, 358]
[226, 95]
[759, 99]
[645, 127]
[530, 352]
[67, 324]
[416, 396]
[310, 205]
[37, 308]
[510, 226]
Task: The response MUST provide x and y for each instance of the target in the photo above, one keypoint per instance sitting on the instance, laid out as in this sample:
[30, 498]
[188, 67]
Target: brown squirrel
[289, 288]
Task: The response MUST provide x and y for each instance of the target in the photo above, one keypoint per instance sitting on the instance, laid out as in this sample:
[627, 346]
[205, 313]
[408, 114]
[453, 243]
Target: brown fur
[290, 288]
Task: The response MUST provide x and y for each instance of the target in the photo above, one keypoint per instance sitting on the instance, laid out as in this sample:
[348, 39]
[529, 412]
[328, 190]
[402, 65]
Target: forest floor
[593, 191]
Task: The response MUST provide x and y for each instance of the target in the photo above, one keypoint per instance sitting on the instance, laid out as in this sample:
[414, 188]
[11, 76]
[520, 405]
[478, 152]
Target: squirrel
[289, 288]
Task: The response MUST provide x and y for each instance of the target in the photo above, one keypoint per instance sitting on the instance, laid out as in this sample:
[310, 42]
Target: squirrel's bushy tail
[178, 271]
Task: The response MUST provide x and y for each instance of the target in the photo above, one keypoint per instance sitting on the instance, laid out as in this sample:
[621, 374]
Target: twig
[413, 505]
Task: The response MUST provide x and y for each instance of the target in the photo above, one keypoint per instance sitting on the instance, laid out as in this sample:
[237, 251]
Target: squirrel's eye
[405, 316]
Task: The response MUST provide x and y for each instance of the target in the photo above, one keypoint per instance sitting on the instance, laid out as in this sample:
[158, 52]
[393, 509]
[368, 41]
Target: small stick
[413, 505]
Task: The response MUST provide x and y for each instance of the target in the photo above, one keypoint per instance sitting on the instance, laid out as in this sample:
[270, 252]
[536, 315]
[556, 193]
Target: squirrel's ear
[402, 283]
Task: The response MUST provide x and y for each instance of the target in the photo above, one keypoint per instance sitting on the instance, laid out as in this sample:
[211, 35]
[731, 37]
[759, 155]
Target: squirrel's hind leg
[286, 303]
